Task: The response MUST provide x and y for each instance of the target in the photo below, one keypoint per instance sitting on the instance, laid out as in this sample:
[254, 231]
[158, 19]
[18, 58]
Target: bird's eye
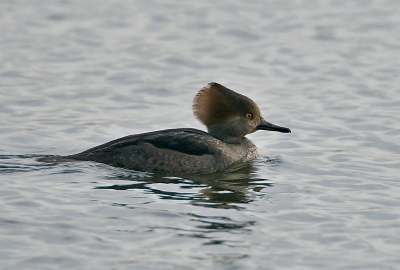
[249, 115]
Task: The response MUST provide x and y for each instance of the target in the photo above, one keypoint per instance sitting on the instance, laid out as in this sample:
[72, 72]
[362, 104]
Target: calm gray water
[75, 74]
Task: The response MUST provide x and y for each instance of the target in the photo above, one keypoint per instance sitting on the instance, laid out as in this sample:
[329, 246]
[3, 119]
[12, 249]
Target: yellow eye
[249, 115]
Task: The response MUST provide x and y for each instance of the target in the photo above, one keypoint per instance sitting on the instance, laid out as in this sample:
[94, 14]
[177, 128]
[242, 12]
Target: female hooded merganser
[228, 116]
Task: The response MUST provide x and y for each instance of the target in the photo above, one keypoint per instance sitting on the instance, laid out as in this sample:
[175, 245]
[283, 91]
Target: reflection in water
[223, 190]
[218, 190]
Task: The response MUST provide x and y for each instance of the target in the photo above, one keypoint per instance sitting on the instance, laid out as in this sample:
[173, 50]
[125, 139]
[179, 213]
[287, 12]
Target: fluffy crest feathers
[215, 104]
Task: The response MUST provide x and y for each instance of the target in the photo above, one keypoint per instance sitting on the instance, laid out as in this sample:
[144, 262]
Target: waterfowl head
[229, 115]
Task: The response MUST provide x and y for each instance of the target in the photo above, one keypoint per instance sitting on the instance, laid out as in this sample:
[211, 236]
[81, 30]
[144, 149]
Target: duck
[228, 117]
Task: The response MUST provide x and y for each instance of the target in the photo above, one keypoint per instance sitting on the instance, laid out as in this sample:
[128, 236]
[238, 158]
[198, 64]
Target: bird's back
[184, 151]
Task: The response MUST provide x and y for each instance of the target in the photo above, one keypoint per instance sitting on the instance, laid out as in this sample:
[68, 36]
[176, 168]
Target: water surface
[75, 74]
